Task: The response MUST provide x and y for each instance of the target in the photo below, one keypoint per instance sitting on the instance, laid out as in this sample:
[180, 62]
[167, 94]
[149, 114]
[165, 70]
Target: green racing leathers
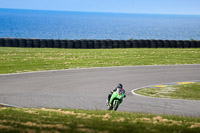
[116, 99]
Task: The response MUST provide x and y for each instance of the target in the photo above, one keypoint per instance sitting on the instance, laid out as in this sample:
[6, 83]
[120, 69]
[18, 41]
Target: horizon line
[98, 12]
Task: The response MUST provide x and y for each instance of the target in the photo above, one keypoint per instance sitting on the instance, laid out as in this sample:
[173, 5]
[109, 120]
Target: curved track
[88, 88]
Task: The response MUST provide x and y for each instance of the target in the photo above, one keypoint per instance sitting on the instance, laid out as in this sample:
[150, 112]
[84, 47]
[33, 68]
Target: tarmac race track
[88, 88]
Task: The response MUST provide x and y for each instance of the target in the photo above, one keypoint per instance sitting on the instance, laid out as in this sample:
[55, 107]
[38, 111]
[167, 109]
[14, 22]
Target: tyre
[29, 43]
[179, 44]
[70, 44]
[110, 107]
[77, 44]
[8, 43]
[134, 44]
[36, 43]
[2, 42]
[173, 44]
[15, 42]
[141, 44]
[104, 44]
[97, 44]
[198, 44]
[115, 105]
[43, 43]
[63, 44]
[115, 44]
[56, 43]
[186, 44]
[110, 43]
[128, 44]
[193, 44]
[121, 44]
[147, 43]
[50, 43]
[90, 44]
[22, 43]
[84, 44]
[166, 44]
[160, 43]
[153, 44]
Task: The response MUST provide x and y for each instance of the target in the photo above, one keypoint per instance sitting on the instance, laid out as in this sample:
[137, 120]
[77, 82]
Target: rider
[120, 86]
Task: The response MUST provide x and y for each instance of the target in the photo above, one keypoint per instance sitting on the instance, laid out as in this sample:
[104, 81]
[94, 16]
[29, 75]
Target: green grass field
[17, 60]
[186, 91]
[65, 120]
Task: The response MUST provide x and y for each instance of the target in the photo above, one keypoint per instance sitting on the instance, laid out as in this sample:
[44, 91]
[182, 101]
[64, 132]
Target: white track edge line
[9, 105]
[133, 91]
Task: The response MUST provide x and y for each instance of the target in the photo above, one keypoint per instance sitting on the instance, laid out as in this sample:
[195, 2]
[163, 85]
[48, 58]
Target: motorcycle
[115, 100]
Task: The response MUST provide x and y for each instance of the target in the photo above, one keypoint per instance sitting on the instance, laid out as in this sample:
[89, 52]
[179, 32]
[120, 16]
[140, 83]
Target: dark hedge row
[96, 44]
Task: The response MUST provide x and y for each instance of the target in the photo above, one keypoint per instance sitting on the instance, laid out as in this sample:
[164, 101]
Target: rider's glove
[124, 96]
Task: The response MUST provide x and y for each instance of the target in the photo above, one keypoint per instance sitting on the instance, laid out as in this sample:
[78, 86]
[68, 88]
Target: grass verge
[65, 120]
[17, 60]
[186, 91]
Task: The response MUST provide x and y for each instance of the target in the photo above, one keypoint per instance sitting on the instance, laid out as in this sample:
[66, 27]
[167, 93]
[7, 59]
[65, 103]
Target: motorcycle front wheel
[115, 105]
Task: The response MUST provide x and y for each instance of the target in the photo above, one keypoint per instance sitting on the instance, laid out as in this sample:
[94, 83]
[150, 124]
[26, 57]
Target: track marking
[8, 105]
[184, 83]
[162, 85]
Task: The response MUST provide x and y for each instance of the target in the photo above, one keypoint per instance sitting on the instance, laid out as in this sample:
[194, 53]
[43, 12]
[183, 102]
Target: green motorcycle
[116, 99]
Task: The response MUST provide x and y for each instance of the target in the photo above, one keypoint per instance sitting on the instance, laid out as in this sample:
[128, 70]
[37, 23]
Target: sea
[18, 23]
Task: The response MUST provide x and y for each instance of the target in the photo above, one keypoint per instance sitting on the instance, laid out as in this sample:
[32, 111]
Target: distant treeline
[97, 44]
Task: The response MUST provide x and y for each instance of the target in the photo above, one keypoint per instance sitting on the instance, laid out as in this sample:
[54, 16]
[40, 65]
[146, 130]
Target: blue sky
[120, 6]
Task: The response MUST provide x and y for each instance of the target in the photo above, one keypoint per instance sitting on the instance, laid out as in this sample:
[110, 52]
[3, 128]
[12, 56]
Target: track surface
[88, 88]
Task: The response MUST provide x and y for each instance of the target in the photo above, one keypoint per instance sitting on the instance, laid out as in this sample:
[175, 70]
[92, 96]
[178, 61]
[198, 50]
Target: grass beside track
[17, 60]
[62, 120]
[186, 91]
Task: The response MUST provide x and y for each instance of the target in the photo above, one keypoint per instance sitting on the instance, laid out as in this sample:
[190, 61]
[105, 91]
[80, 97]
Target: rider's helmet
[120, 86]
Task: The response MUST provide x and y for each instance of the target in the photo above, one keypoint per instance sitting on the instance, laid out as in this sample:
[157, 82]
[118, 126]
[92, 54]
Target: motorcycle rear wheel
[110, 107]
